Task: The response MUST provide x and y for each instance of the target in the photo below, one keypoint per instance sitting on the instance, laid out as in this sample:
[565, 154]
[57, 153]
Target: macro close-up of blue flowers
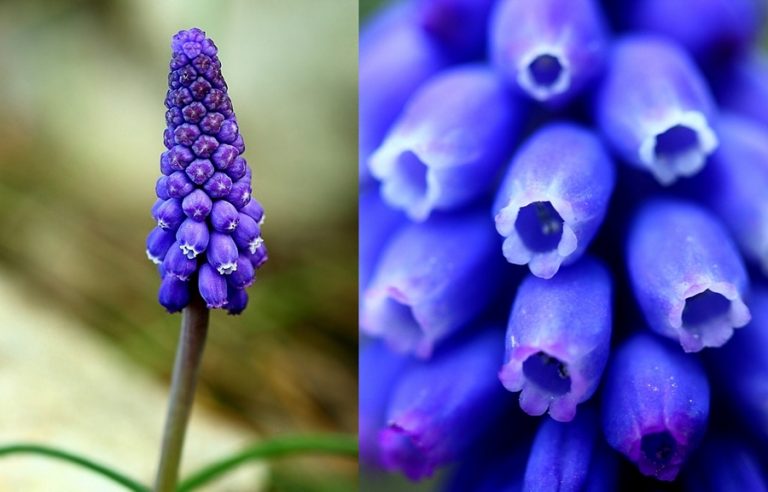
[563, 246]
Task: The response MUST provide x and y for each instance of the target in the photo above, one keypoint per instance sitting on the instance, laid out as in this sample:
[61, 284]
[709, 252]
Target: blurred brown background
[81, 122]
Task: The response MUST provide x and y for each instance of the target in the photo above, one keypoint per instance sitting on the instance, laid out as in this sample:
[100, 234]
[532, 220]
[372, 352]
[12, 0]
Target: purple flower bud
[193, 112]
[200, 170]
[247, 234]
[237, 301]
[237, 169]
[735, 183]
[725, 465]
[687, 275]
[561, 455]
[193, 237]
[377, 224]
[449, 143]
[173, 294]
[204, 146]
[391, 44]
[165, 164]
[213, 287]
[432, 419]
[558, 339]
[243, 274]
[655, 405]
[711, 30]
[177, 264]
[255, 211]
[224, 217]
[222, 253]
[179, 185]
[158, 243]
[186, 134]
[431, 280]
[169, 215]
[219, 186]
[161, 188]
[174, 117]
[554, 198]
[240, 193]
[197, 205]
[224, 156]
[199, 88]
[228, 131]
[655, 108]
[549, 50]
[168, 138]
[259, 257]
[211, 124]
[457, 25]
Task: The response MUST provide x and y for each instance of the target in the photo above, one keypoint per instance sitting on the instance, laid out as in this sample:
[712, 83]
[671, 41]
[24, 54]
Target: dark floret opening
[675, 142]
[548, 373]
[704, 307]
[545, 70]
[658, 448]
[400, 317]
[540, 226]
[413, 173]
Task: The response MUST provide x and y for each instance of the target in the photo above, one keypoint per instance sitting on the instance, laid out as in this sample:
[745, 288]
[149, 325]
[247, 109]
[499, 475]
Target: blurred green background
[81, 119]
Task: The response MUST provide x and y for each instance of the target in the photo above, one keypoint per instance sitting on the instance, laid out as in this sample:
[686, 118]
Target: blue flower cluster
[593, 175]
[208, 229]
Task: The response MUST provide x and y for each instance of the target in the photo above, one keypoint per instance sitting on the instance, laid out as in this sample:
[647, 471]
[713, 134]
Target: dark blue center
[658, 448]
[539, 226]
[548, 373]
[703, 307]
[545, 70]
[676, 141]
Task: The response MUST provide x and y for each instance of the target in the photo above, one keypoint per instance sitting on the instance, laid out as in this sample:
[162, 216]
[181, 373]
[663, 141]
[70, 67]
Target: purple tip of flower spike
[713, 30]
[725, 465]
[655, 108]
[425, 268]
[558, 339]
[459, 26]
[550, 50]
[553, 198]
[158, 243]
[735, 184]
[213, 287]
[392, 44]
[561, 454]
[655, 405]
[440, 406]
[686, 273]
[173, 294]
[449, 143]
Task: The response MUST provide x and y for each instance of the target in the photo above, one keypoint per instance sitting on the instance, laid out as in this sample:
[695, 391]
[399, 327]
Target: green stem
[275, 448]
[194, 328]
[102, 470]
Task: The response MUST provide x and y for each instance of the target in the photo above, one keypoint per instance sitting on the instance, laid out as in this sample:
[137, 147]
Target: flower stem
[278, 447]
[194, 328]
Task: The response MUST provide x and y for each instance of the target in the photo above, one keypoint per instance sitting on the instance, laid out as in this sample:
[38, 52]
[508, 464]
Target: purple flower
[655, 405]
[377, 224]
[199, 239]
[449, 143]
[655, 108]
[549, 50]
[391, 44]
[431, 280]
[553, 198]
[440, 406]
[744, 89]
[686, 273]
[457, 25]
[558, 339]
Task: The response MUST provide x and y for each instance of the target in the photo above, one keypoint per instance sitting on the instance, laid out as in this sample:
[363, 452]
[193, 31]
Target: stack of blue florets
[564, 244]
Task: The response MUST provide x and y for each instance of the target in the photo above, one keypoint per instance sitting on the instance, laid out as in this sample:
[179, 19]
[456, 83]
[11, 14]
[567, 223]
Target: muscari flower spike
[553, 198]
[655, 405]
[558, 339]
[208, 233]
[549, 50]
[655, 108]
[687, 274]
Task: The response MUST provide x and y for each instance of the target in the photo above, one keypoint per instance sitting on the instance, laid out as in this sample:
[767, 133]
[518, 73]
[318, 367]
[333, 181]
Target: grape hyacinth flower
[558, 339]
[655, 108]
[456, 389]
[655, 405]
[549, 50]
[420, 292]
[553, 198]
[457, 25]
[687, 275]
[205, 189]
[378, 224]
[448, 144]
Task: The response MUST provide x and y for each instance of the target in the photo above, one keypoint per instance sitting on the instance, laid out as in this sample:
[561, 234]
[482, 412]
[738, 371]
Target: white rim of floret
[189, 251]
[686, 164]
[718, 330]
[540, 92]
[542, 264]
[227, 268]
[154, 259]
[254, 245]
